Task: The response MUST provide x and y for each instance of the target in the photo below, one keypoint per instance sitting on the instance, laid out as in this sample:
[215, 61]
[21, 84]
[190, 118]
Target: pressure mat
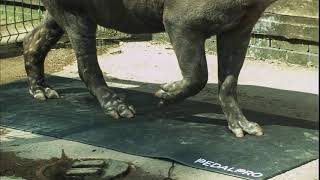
[192, 133]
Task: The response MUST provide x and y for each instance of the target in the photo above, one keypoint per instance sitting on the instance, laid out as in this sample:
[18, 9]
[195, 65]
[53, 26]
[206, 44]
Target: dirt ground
[12, 69]
[11, 165]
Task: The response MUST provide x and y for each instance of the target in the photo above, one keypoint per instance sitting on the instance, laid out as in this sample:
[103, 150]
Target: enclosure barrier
[18, 17]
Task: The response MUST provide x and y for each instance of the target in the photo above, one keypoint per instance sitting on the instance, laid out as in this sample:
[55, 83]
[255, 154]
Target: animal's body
[188, 23]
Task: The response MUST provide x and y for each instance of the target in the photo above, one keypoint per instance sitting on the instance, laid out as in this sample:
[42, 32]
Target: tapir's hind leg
[36, 46]
[232, 47]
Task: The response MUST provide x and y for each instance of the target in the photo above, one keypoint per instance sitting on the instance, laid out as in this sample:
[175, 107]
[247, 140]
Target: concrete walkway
[147, 62]
[31, 146]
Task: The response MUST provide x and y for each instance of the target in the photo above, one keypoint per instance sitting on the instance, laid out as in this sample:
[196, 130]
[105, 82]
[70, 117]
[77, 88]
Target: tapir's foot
[115, 106]
[43, 92]
[177, 91]
[239, 127]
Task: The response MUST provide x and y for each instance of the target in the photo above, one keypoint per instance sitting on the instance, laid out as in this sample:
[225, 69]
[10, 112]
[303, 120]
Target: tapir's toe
[168, 97]
[177, 91]
[238, 132]
[251, 128]
[51, 94]
[38, 94]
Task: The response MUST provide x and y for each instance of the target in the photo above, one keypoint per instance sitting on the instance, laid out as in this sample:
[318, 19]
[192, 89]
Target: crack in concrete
[170, 171]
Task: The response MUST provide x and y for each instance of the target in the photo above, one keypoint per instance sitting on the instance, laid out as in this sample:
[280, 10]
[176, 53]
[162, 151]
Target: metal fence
[18, 17]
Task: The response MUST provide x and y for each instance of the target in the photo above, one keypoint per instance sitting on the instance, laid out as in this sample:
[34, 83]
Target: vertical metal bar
[23, 18]
[6, 17]
[39, 10]
[6, 20]
[31, 12]
[15, 19]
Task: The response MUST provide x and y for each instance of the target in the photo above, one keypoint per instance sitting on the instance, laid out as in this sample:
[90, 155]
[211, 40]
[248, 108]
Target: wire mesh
[18, 17]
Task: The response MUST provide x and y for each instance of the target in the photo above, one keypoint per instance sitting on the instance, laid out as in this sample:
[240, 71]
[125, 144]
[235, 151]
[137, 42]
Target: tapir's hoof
[43, 93]
[116, 108]
[248, 127]
[177, 91]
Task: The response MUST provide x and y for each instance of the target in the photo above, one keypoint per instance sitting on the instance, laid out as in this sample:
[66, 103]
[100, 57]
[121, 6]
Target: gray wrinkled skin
[188, 23]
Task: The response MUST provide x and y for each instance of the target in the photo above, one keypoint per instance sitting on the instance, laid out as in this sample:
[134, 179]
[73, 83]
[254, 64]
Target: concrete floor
[154, 63]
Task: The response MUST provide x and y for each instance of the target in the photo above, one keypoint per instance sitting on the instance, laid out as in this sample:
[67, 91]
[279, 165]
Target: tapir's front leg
[82, 36]
[189, 48]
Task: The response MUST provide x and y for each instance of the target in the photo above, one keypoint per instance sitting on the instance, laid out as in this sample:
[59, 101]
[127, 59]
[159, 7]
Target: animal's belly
[132, 16]
[133, 25]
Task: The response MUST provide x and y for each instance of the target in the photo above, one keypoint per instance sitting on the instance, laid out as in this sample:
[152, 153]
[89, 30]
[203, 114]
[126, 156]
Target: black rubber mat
[193, 133]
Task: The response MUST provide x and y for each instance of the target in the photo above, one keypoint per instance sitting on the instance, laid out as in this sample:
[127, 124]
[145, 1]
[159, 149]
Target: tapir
[188, 24]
